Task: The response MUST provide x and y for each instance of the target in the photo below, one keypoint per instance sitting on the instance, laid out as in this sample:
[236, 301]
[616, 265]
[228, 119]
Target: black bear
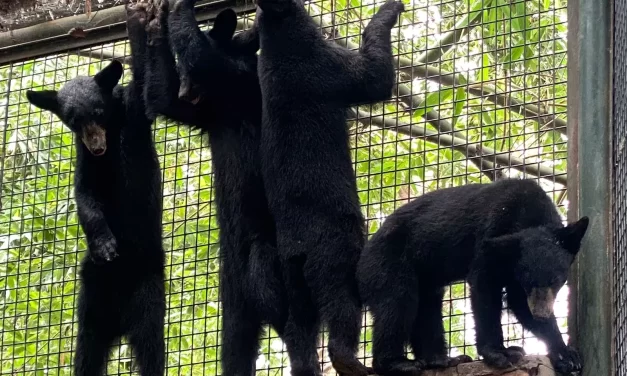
[117, 185]
[507, 234]
[219, 75]
[308, 84]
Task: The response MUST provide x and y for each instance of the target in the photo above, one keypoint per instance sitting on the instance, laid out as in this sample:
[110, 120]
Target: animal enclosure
[481, 95]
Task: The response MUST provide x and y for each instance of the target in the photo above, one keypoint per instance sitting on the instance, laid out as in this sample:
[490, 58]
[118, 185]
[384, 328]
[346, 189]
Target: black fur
[308, 84]
[219, 74]
[118, 196]
[505, 234]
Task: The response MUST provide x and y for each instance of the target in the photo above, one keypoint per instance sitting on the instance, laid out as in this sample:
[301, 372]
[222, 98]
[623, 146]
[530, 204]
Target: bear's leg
[94, 335]
[335, 293]
[195, 53]
[161, 82]
[486, 300]
[427, 336]
[92, 351]
[301, 328]
[265, 284]
[393, 317]
[136, 19]
[342, 315]
[145, 318]
[565, 359]
[240, 338]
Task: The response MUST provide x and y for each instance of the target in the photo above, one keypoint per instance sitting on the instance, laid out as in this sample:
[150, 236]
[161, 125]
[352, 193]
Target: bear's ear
[224, 26]
[45, 99]
[505, 245]
[110, 75]
[571, 235]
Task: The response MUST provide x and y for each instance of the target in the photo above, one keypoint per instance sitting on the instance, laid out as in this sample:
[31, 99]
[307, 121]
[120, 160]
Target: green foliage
[518, 47]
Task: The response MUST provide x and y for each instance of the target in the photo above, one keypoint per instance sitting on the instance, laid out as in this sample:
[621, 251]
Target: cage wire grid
[481, 95]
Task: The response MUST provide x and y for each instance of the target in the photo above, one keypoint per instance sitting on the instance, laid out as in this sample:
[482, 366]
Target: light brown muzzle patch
[541, 302]
[95, 139]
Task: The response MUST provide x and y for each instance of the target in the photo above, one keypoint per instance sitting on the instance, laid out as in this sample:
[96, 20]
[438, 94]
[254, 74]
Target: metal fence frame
[590, 179]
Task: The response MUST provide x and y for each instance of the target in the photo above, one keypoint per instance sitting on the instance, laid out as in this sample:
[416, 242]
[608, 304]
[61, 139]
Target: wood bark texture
[16, 14]
[530, 366]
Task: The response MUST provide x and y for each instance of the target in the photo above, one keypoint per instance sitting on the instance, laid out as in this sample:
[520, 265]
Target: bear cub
[507, 234]
[215, 89]
[117, 185]
[308, 83]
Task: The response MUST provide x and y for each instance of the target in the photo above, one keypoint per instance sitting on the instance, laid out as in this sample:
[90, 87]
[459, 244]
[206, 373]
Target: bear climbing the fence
[216, 90]
[118, 196]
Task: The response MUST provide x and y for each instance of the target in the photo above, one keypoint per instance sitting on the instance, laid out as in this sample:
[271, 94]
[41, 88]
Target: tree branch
[414, 101]
[476, 150]
[449, 40]
[483, 90]
[105, 55]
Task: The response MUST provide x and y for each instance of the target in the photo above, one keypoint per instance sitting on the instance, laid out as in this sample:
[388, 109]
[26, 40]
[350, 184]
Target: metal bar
[619, 189]
[589, 88]
[104, 26]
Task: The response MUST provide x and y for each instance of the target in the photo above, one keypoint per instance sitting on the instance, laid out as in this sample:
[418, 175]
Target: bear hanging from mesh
[216, 90]
[308, 84]
[507, 234]
[117, 185]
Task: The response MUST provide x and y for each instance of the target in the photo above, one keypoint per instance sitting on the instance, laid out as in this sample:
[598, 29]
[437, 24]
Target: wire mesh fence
[481, 96]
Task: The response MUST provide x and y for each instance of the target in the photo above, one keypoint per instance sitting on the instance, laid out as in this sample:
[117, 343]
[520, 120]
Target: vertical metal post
[589, 122]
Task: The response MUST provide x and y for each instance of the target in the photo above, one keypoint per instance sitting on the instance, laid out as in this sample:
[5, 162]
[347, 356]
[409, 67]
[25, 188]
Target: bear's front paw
[104, 250]
[503, 358]
[389, 12]
[136, 14]
[157, 18]
[566, 361]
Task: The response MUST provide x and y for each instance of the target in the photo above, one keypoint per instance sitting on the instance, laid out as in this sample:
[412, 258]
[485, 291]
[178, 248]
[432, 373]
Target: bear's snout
[540, 302]
[95, 139]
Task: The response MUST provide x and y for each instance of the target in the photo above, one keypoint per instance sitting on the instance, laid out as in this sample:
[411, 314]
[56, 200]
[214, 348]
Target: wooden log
[530, 366]
[17, 14]
[103, 26]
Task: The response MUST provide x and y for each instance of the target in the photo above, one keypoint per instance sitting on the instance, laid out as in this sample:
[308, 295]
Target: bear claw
[566, 361]
[104, 250]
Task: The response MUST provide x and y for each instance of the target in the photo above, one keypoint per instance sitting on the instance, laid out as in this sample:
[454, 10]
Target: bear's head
[243, 46]
[240, 50]
[539, 260]
[85, 105]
